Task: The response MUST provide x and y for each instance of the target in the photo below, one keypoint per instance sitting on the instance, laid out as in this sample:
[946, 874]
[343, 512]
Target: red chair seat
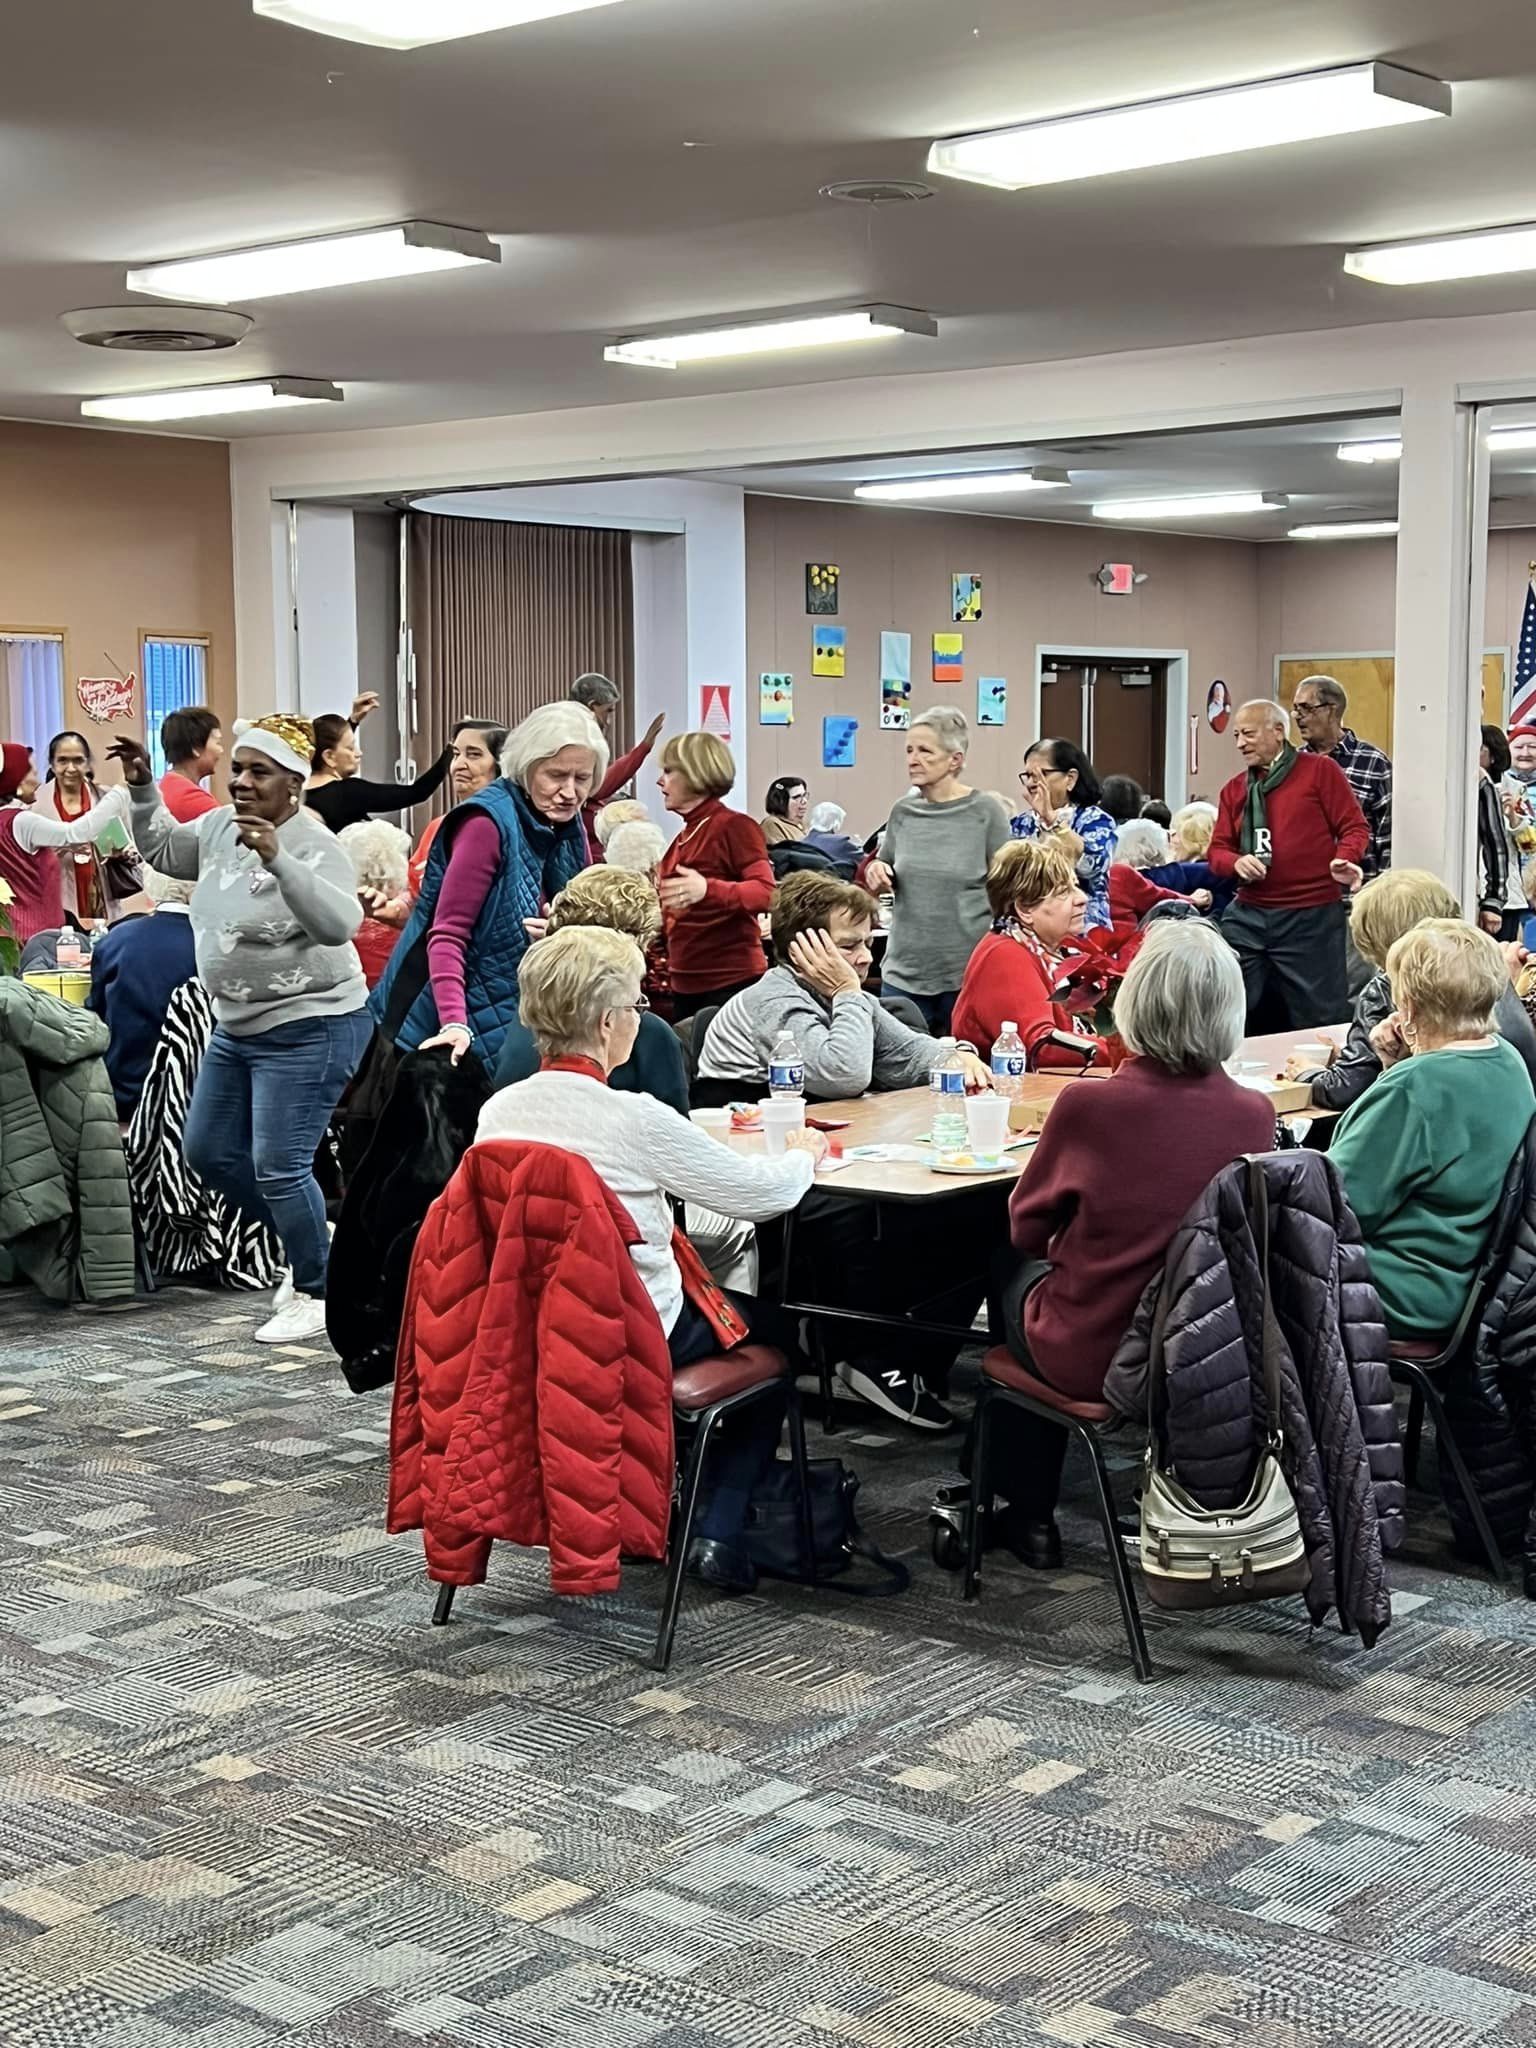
[1001, 1365]
[716, 1378]
[1417, 1350]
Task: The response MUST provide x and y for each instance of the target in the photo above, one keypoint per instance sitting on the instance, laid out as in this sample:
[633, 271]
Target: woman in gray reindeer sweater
[273, 915]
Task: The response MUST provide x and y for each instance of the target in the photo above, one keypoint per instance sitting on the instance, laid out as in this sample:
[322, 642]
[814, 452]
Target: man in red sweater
[1291, 832]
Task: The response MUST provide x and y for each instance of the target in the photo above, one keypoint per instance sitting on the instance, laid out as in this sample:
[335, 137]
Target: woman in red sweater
[1118, 1165]
[715, 880]
[1015, 971]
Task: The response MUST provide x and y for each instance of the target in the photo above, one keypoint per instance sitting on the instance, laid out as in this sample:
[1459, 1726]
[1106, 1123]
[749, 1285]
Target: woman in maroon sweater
[715, 880]
[1012, 977]
[1118, 1165]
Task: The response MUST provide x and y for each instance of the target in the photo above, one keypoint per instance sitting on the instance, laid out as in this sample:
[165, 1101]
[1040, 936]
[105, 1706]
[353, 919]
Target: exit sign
[1117, 579]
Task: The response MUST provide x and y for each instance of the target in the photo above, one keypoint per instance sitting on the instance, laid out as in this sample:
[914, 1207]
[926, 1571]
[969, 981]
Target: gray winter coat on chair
[1342, 1454]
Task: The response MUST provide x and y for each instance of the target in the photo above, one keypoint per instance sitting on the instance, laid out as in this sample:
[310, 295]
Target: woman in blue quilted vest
[501, 855]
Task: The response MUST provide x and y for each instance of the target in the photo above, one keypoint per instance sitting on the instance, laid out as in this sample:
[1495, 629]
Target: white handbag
[1194, 1556]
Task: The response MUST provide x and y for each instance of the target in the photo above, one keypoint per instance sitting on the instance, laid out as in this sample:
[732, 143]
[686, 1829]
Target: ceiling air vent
[877, 191]
[158, 330]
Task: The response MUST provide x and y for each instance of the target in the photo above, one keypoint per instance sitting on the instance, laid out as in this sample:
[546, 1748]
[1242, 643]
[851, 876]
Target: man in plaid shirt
[1319, 706]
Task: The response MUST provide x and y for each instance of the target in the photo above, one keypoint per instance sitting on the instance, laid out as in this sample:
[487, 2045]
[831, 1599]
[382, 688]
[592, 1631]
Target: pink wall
[1038, 590]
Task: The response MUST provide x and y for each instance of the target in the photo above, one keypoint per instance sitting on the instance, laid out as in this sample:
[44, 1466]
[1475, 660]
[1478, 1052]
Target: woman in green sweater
[1424, 1152]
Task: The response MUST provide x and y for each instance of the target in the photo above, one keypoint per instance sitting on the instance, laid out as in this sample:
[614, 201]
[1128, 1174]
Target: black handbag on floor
[772, 1534]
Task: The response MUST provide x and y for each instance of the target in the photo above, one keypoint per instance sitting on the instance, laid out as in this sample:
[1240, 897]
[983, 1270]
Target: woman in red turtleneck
[715, 880]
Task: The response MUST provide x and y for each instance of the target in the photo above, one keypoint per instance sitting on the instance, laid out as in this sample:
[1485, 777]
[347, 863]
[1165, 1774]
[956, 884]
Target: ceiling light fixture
[989, 483]
[1370, 451]
[271, 271]
[1192, 125]
[762, 337]
[1511, 440]
[1347, 529]
[1488, 252]
[1220, 507]
[210, 401]
[412, 24]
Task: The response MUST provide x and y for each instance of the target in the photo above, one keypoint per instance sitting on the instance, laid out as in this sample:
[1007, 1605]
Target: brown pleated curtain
[505, 617]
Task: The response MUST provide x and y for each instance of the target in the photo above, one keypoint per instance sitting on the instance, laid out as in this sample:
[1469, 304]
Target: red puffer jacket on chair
[533, 1386]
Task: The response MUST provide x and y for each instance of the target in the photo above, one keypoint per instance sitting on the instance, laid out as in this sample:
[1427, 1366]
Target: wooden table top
[903, 1117]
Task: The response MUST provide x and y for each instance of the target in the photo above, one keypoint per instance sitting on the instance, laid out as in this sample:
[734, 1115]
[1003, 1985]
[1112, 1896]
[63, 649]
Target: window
[31, 689]
[175, 676]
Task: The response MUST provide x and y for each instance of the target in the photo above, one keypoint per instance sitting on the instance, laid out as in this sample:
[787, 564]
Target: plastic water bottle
[786, 1067]
[1009, 1062]
[946, 1085]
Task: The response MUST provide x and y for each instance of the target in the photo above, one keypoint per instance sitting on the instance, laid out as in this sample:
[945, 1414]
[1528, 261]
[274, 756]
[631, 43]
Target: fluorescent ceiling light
[411, 24]
[275, 269]
[1491, 252]
[1370, 451]
[1501, 440]
[816, 330]
[989, 483]
[209, 401]
[1194, 125]
[1347, 529]
[1190, 508]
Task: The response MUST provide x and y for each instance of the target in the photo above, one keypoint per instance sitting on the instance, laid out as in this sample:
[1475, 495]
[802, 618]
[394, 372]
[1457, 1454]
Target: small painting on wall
[821, 580]
[828, 650]
[966, 590]
[775, 699]
[991, 700]
[838, 742]
[949, 657]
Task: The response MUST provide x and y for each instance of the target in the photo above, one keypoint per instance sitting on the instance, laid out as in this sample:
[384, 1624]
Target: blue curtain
[175, 675]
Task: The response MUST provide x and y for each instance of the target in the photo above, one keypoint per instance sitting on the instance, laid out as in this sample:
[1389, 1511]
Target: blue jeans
[259, 1110]
[937, 1011]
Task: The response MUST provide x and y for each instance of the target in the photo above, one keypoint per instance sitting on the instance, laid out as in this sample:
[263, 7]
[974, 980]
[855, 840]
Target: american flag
[1523, 701]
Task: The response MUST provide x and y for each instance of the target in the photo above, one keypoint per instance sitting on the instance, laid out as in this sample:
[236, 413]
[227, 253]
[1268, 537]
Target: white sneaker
[282, 1294]
[302, 1319]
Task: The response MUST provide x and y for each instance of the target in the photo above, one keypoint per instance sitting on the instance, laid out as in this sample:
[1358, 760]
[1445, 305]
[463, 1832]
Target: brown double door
[1115, 711]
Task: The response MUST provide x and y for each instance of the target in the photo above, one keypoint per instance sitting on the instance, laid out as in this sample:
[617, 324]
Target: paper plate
[964, 1163]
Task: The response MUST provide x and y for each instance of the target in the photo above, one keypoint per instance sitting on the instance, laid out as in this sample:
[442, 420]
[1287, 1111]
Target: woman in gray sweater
[273, 915]
[937, 847]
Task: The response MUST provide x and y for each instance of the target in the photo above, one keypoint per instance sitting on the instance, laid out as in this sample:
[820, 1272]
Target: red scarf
[699, 1284]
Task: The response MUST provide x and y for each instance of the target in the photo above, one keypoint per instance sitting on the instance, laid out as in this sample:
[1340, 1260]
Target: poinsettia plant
[10, 951]
[1093, 966]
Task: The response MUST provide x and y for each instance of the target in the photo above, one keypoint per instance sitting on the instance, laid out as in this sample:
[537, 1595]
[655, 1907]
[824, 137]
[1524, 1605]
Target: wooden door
[1369, 681]
[1061, 703]
[1128, 723]
[1495, 709]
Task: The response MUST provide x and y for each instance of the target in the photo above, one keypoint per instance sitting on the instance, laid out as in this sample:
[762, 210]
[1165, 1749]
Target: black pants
[711, 999]
[747, 1442]
[924, 1258]
[1293, 963]
[1025, 1454]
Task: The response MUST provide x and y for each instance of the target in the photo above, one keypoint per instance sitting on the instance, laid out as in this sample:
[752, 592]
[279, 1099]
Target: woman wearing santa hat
[29, 844]
[274, 914]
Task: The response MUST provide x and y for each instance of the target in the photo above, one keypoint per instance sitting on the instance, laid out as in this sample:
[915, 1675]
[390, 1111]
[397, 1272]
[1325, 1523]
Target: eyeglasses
[643, 1003]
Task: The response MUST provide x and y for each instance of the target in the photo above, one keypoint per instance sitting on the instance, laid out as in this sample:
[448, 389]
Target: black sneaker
[895, 1393]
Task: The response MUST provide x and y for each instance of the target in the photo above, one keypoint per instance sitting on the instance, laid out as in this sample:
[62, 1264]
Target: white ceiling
[1296, 459]
[659, 161]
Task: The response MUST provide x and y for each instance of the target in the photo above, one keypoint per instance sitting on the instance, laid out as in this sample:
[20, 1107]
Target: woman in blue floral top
[1061, 789]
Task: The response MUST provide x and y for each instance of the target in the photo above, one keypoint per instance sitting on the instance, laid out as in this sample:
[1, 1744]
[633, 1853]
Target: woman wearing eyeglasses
[1062, 790]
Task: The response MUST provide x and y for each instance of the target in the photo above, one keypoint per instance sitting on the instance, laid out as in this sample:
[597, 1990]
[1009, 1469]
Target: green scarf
[1263, 782]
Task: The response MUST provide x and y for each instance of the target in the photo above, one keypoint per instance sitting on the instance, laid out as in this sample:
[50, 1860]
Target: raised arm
[34, 833]
[174, 849]
[400, 796]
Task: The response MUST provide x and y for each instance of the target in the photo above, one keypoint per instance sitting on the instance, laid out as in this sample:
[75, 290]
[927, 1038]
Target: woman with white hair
[1099, 1231]
[581, 1000]
[380, 854]
[935, 853]
[503, 852]
[826, 834]
[1140, 846]
[635, 847]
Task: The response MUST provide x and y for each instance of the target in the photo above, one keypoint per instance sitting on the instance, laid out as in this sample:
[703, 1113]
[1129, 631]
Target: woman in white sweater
[579, 994]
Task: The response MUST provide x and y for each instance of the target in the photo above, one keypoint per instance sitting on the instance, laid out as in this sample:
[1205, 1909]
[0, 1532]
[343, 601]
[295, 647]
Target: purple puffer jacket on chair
[1342, 1454]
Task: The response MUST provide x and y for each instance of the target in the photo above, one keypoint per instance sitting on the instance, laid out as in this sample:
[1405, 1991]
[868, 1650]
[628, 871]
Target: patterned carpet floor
[249, 1797]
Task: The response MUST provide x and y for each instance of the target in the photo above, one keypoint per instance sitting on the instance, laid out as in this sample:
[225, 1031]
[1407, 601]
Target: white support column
[1441, 576]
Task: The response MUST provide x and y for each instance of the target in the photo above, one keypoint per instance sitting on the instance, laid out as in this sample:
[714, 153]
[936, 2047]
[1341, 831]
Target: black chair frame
[702, 1423]
[982, 1497]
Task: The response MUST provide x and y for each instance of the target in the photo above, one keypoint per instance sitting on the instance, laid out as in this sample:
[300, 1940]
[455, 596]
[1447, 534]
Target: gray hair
[624, 810]
[1141, 843]
[593, 689]
[544, 732]
[1329, 691]
[948, 727]
[1182, 1003]
[828, 818]
[160, 887]
[636, 846]
[1274, 714]
[380, 854]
